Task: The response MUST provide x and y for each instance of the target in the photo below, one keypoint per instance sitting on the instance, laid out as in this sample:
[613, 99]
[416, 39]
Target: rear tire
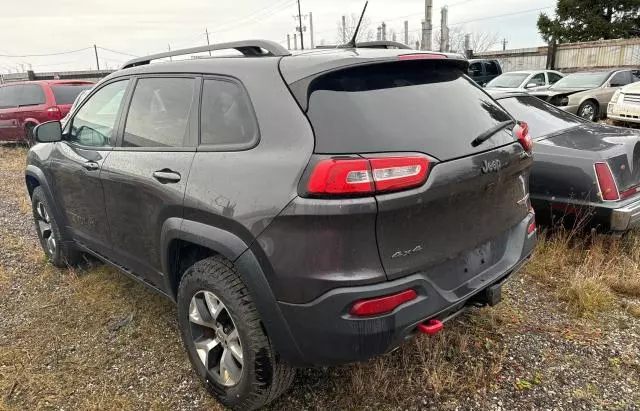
[60, 253]
[221, 328]
[589, 110]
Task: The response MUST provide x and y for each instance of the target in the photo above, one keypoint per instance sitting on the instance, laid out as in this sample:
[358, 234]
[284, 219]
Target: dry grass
[12, 164]
[92, 339]
[587, 270]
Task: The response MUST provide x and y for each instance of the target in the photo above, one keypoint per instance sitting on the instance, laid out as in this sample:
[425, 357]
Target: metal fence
[571, 56]
[92, 75]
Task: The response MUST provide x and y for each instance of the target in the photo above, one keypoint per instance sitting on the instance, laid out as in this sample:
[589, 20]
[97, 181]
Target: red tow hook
[431, 327]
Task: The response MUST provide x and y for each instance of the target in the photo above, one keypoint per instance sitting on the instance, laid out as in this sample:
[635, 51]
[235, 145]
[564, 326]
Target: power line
[46, 55]
[117, 52]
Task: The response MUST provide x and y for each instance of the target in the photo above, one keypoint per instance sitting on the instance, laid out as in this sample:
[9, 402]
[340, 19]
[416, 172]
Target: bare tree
[364, 34]
[479, 41]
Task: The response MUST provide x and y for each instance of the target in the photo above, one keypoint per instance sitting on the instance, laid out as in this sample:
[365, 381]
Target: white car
[625, 104]
[524, 80]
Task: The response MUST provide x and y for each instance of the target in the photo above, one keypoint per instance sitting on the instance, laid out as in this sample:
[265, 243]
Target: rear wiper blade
[489, 133]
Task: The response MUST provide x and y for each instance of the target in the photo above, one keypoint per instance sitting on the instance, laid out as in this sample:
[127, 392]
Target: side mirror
[48, 132]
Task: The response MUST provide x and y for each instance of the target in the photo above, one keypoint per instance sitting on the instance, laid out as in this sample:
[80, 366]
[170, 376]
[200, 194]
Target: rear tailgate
[459, 220]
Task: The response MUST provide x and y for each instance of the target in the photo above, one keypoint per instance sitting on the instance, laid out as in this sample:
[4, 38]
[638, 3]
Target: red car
[24, 105]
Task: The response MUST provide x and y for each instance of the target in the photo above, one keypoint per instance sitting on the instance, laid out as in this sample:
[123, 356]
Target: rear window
[31, 95]
[426, 106]
[67, 93]
[542, 118]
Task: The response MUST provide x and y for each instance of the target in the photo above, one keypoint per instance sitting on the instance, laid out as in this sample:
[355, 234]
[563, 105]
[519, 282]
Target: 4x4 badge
[406, 253]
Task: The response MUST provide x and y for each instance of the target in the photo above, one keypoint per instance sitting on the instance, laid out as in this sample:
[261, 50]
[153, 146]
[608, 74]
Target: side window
[9, 96]
[492, 68]
[94, 123]
[553, 77]
[159, 113]
[226, 116]
[635, 76]
[538, 79]
[31, 95]
[621, 78]
[475, 69]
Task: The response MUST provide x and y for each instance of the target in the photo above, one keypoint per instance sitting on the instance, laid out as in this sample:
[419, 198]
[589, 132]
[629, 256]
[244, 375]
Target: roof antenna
[352, 43]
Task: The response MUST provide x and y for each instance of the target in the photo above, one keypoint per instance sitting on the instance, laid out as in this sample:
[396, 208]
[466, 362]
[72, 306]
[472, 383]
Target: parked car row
[586, 94]
[24, 105]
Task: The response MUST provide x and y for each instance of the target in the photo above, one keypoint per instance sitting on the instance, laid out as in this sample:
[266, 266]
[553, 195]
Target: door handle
[166, 176]
[91, 165]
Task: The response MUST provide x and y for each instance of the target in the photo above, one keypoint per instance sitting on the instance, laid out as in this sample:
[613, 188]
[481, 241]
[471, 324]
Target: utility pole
[444, 29]
[300, 22]
[428, 27]
[206, 31]
[384, 31]
[467, 45]
[504, 44]
[288, 42]
[406, 32]
[344, 29]
[95, 50]
[170, 58]
[311, 28]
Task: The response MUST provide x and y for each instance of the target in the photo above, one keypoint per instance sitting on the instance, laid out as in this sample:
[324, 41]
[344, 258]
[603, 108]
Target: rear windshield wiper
[493, 130]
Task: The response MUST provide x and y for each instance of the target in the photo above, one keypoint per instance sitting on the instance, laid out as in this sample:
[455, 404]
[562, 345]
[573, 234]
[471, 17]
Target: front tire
[225, 340]
[589, 111]
[60, 254]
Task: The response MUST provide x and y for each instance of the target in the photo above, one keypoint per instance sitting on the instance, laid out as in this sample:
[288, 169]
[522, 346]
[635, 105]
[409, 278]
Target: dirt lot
[567, 336]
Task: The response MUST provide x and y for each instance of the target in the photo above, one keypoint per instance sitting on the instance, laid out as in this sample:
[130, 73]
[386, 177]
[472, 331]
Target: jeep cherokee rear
[301, 210]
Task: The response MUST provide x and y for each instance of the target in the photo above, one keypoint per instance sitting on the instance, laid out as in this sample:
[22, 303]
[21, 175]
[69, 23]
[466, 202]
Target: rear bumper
[326, 333]
[626, 217]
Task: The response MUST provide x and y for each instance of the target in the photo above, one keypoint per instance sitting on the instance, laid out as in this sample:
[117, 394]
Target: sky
[59, 36]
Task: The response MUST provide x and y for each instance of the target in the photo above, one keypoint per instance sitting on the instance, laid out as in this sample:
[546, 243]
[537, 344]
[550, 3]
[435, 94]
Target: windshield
[542, 118]
[508, 80]
[582, 80]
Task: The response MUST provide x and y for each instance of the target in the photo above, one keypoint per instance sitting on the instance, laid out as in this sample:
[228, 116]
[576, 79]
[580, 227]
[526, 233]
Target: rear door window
[426, 106]
[159, 113]
[475, 69]
[31, 95]
[67, 93]
[226, 117]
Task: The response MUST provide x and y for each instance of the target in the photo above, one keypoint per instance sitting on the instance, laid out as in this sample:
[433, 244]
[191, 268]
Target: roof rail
[379, 44]
[250, 48]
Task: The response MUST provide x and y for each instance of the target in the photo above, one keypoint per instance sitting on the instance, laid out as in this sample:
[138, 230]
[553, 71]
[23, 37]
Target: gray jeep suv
[301, 210]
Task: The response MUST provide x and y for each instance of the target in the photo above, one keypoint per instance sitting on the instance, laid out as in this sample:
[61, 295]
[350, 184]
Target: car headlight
[616, 96]
[562, 101]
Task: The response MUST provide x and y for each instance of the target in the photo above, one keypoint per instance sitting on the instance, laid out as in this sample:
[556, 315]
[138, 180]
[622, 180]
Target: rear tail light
[606, 182]
[522, 133]
[421, 56]
[54, 113]
[381, 305]
[367, 176]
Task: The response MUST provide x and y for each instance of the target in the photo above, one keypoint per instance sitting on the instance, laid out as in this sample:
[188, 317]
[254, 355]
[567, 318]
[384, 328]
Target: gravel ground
[92, 339]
